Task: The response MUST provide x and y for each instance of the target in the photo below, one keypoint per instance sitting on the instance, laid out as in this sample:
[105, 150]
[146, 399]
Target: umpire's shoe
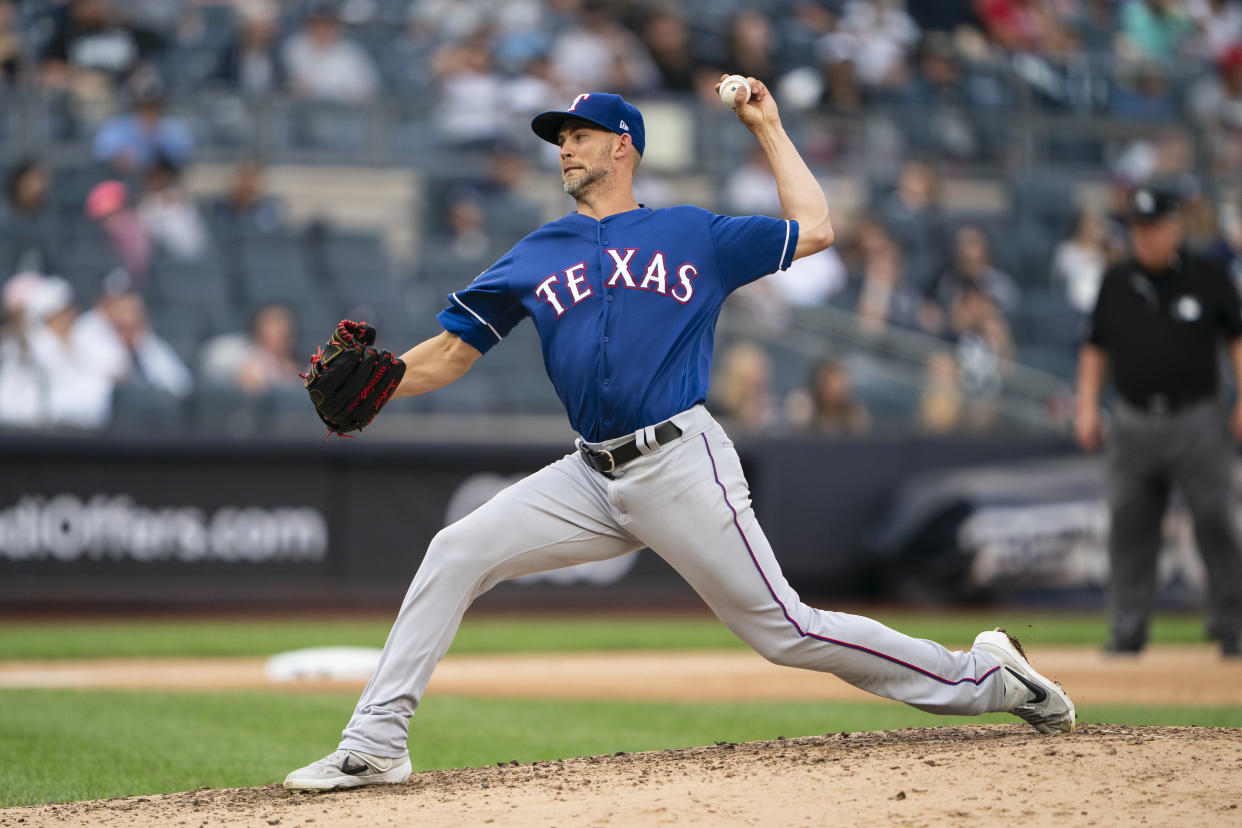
[1028, 695]
[348, 769]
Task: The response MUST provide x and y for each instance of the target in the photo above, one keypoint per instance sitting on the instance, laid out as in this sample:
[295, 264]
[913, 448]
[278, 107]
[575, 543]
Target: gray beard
[575, 187]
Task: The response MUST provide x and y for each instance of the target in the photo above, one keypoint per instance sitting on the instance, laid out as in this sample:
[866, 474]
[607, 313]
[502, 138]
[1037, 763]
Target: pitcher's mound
[947, 776]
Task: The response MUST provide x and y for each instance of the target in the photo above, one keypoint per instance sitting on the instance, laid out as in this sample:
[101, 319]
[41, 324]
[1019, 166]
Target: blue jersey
[626, 307]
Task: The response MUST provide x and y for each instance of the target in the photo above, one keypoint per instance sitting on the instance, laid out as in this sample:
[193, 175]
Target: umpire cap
[1148, 205]
[611, 112]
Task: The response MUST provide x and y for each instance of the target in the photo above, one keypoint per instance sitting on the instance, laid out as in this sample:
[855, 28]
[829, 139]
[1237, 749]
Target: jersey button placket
[606, 382]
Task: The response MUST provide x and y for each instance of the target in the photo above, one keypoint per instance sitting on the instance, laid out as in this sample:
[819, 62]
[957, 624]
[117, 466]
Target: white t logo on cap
[579, 100]
[1144, 201]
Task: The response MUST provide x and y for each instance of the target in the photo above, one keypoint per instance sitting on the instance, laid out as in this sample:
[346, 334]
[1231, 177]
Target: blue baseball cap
[611, 112]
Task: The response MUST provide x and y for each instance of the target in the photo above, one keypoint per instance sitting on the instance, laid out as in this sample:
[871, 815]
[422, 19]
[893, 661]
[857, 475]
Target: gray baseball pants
[1147, 456]
[689, 502]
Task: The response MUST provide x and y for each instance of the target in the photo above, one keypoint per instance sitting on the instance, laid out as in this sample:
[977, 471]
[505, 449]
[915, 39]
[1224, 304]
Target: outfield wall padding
[345, 522]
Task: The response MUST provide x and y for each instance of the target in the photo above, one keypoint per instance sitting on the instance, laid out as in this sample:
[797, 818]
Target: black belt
[1164, 405]
[609, 460]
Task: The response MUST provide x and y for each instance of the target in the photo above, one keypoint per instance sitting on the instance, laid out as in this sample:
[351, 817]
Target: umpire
[1158, 323]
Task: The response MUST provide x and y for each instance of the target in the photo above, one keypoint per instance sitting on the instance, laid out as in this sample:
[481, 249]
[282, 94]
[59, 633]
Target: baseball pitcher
[625, 300]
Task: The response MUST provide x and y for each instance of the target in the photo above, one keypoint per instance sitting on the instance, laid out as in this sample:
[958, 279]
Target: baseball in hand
[729, 87]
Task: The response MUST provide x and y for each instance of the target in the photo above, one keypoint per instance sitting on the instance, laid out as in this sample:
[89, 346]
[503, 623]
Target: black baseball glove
[349, 381]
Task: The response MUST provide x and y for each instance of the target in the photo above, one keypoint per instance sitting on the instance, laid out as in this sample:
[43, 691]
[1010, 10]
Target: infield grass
[500, 634]
[109, 743]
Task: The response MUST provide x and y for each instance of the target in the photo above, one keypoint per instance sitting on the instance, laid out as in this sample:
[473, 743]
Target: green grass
[104, 744]
[492, 634]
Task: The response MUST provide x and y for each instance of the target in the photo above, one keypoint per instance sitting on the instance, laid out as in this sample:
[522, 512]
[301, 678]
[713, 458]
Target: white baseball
[729, 87]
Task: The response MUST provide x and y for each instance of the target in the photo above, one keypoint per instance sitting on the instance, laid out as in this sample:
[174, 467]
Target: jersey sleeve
[484, 312]
[751, 247]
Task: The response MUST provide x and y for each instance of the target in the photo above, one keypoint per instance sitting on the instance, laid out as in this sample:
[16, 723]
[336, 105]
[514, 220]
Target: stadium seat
[144, 411]
[190, 284]
[317, 126]
[225, 411]
[280, 285]
[288, 413]
[266, 252]
[85, 263]
[1050, 321]
[184, 327]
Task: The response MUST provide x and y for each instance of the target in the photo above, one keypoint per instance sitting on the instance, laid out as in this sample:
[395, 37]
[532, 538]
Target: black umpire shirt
[1161, 330]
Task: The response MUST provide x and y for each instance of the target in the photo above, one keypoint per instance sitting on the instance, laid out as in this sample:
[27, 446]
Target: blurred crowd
[477, 63]
[116, 279]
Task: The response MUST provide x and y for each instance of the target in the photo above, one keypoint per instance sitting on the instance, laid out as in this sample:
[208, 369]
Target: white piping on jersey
[453, 296]
[781, 260]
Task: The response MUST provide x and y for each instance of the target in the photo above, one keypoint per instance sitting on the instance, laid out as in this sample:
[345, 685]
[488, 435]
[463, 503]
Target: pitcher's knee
[455, 550]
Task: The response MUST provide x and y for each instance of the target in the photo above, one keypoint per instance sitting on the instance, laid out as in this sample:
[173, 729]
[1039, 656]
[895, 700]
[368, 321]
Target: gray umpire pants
[1148, 455]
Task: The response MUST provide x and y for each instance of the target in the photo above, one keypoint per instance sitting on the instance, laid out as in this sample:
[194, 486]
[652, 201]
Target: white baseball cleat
[1028, 695]
[348, 769]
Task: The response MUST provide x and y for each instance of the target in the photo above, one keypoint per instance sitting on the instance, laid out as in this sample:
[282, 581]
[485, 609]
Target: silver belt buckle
[612, 464]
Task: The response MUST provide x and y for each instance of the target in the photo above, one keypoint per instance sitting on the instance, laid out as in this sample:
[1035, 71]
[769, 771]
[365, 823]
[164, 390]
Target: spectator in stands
[108, 205]
[984, 346]
[597, 52]
[472, 109]
[940, 99]
[250, 63]
[121, 344]
[1218, 24]
[1153, 30]
[1079, 261]
[91, 44]
[671, 44]
[884, 297]
[1201, 227]
[827, 405]
[467, 221]
[1095, 23]
[876, 37]
[1022, 26]
[76, 395]
[406, 61]
[840, 89]
[28, 221]
[751, 46]
[23, 398]
[533, 89]
[464, 247]
[12, 53]
[132, 142]
[322, 64]
[742, 392]
[971, 272]
[1143, 92]
[805, 25]
[260, 362]
[1216, 103]
[1231, 232]
[503, 194]
[246, 209]
[913, 216]
[170, 217]
[941, 403]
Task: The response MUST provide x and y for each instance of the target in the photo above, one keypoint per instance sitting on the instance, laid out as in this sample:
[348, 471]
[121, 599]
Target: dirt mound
[947, 776]
[1192, 676]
